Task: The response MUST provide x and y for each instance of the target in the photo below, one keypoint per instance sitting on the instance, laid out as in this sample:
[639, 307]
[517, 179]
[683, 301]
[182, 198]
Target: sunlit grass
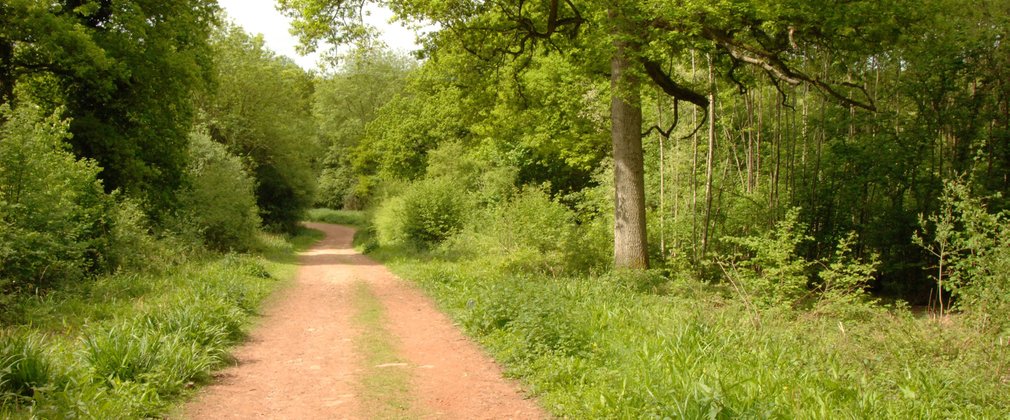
[130, 345]
[339, 217]
[594, 347]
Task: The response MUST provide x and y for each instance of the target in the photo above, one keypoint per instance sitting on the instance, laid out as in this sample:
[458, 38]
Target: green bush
[768, 271]
[333, 185]
[972, 246]
[52, 206]
[132, 246]
[433, 210]
[533, 233]
[426, 213]
[220, 198]
[844, 279]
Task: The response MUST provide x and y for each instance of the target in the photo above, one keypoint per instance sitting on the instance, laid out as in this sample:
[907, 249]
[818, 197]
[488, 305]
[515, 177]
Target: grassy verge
[598, 347]
[129, 345]
[339, 217]
[385, 381]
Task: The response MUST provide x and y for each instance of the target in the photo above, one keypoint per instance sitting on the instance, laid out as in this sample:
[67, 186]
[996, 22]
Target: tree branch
[656, 73]
[779, 70]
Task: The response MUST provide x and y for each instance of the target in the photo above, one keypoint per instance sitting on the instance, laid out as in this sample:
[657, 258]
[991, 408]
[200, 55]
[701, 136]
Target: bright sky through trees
[262, 17]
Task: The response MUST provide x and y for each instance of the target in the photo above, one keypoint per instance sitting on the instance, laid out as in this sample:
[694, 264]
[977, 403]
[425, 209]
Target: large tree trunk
[630, 249]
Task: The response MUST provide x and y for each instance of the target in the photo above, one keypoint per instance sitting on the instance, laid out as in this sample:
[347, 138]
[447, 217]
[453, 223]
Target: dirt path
[350, 340]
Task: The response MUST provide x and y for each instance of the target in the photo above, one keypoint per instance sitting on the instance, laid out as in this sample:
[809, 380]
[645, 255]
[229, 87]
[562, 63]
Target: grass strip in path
[385, 380]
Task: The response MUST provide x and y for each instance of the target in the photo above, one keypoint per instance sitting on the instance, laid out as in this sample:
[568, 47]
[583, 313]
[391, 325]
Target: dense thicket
[103, 148]
[124, 74]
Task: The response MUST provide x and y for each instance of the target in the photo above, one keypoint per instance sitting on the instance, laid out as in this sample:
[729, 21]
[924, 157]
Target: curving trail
[351, 340]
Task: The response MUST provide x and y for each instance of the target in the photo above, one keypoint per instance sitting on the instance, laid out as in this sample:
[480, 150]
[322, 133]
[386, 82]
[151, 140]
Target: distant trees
[853, 112]
[345, 102]
[261, 108]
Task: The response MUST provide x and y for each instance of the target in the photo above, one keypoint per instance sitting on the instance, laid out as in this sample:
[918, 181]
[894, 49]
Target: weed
[24, 366]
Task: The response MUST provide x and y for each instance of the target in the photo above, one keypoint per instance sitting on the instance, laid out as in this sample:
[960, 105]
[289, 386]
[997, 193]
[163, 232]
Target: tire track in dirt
[303, 361]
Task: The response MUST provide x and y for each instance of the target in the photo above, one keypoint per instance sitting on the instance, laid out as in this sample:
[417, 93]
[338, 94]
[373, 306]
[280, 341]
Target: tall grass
[129, 345]
[597, 344]
[593, 347]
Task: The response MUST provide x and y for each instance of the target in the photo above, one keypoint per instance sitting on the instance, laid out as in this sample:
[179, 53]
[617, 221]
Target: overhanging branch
[672, 88]
[779, 70]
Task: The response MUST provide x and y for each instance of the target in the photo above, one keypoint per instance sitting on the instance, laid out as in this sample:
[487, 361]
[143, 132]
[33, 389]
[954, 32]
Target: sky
[262, 17]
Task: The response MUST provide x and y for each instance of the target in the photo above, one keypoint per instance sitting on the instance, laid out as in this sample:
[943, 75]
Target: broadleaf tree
[639, 40]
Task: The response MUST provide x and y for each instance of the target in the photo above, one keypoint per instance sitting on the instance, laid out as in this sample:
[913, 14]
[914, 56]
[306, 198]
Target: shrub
[334, 185]
[433, 210]
[845, 278]
[973, 250]
[427, 213]
[533, 233]
[220, 199]
[132, 246]
[389, 230]
[769, 271]
[52, 206]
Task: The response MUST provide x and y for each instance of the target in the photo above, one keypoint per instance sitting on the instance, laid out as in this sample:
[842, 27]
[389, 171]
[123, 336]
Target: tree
[260, 108]
[343, 105]
[636, 38]
[125, 72]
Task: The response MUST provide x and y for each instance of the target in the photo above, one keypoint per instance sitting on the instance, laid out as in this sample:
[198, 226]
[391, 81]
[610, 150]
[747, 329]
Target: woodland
[641, 209]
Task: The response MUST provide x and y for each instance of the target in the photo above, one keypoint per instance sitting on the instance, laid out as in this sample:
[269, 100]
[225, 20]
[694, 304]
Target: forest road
[350, 340]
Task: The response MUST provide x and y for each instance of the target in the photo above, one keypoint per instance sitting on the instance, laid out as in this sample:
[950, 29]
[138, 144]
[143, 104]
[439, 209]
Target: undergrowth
[129, 345]
[594, 343]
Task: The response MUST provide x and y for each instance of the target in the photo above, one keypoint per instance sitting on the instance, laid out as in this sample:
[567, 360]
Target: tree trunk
[709, 162]
[630, 250]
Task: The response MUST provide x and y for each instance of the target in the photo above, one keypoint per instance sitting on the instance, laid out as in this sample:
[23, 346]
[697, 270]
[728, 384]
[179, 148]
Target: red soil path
[300, 363]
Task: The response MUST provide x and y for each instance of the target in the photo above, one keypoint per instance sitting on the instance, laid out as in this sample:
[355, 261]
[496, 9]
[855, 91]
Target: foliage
[845, 278]
[532, 233]
[340, 217]
[24, 366]
[128, 345]
[973, 252]
[133, 246]
[770, 270]
[389, 225]
[343, 104]
[52, 207]
[220, 201]
[127, 92]
[261, 110]
[432, 211]
[595, 347]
